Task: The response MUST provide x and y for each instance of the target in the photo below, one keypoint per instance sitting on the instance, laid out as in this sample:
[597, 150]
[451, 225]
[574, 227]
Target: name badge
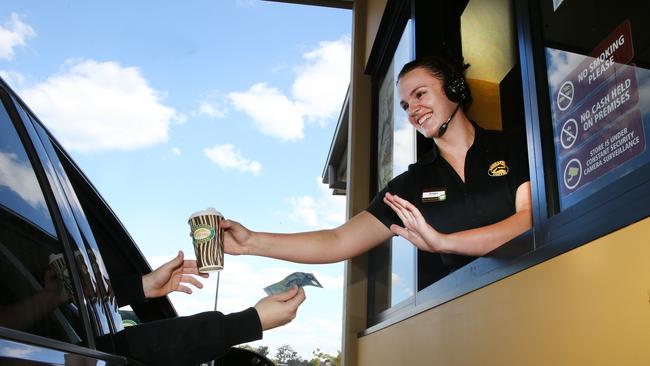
[434, 194]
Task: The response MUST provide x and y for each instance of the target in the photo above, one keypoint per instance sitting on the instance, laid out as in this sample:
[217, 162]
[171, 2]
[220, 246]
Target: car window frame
[54, 199]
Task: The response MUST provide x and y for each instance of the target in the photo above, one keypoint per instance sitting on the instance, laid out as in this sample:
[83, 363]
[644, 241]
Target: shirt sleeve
[128, 289]
[380, 210]
[188, 340]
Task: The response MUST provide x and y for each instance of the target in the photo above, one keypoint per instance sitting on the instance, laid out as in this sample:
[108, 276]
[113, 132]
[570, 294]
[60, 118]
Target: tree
[285, 355]
[323, 359]
[262, 350]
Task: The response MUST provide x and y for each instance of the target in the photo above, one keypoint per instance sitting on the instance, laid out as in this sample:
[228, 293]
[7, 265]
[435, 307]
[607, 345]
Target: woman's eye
[405, 106]
[419, 94]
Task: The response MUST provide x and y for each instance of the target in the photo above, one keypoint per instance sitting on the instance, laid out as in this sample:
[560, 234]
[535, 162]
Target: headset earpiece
[455, 88]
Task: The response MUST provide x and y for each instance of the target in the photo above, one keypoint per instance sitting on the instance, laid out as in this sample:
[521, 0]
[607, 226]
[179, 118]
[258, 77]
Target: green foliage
[285, 355]
[323, 359]
[262, 350]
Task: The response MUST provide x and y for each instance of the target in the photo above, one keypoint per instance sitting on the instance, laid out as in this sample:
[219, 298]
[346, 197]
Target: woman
[468, 196]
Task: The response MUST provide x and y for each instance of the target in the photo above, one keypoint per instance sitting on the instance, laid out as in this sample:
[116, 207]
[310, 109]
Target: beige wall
[589, 306]
[375, 10]
[486, 104]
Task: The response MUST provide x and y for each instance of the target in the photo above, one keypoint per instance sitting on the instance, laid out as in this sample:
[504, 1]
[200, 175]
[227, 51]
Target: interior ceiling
[488, 36]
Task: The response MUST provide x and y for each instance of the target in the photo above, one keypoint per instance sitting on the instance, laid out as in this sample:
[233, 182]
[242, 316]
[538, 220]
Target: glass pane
[91, 268]
[599, 87]
[36, 287]
[19, 189]
[396, 150]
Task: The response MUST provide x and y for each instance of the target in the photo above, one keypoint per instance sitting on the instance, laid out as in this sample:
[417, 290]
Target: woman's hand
[416, 229]
[235, 237]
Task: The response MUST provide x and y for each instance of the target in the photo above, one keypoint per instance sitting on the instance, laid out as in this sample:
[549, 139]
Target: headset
[456, 91]
[455, 86]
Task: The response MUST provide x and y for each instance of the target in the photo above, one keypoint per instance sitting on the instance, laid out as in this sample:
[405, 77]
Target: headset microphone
[443, 127]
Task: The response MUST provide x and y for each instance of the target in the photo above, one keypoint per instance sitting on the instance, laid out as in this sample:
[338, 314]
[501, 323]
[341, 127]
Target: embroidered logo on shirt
[498, 169]
[433, 194]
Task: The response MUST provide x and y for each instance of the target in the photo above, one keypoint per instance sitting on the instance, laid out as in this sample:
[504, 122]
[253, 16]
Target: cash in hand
[299, 279]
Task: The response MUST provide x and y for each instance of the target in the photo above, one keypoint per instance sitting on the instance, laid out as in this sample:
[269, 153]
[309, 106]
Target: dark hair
[450, 72]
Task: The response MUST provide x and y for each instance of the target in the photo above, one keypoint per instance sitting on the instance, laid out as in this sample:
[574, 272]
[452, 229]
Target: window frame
[554, 232]
[391, 29]
[40, 160]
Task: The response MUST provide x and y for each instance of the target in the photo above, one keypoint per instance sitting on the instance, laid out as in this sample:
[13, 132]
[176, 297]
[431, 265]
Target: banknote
[297, 278]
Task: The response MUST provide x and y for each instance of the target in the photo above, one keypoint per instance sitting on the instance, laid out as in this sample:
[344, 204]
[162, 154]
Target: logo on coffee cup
[203, 233]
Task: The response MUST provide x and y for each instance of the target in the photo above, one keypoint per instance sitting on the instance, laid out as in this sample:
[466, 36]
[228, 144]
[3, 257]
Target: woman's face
[423, 99]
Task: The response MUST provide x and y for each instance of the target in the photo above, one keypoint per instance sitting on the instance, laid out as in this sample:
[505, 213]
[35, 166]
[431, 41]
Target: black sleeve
[128, 289]
[188, 340]
[398, 186]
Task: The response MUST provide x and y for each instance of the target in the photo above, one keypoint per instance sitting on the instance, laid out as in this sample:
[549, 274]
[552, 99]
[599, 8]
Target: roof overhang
[341, 4]
[336, 165]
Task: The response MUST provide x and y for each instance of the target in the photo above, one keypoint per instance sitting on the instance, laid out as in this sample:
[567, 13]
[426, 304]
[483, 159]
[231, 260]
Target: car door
[51, 308]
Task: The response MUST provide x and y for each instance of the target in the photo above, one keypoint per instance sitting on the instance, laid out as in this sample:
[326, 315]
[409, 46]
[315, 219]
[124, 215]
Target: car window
[35, 283]
[19, 189]
[102, 294]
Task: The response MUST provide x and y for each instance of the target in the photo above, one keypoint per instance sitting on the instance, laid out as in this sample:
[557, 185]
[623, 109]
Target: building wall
[358, 168]
[589, 306]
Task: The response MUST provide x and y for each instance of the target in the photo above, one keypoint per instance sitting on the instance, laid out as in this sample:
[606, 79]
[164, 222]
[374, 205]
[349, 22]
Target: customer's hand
[279, 309]
[170, 277]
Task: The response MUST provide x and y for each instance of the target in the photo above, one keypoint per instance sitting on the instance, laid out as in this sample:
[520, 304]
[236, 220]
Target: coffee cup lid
[207, 211]
[54, 257]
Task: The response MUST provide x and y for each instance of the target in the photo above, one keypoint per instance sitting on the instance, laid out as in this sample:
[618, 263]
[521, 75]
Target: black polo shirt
[495, 166]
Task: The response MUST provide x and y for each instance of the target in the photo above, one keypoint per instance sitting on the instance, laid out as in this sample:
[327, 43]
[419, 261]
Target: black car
[60, 243]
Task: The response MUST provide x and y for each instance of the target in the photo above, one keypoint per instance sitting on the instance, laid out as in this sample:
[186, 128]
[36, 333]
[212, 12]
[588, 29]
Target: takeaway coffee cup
[207, 237]
[57, 263]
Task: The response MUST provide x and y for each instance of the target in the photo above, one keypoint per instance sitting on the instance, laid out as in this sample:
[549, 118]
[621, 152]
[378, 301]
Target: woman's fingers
[398, 210]
[408, 211]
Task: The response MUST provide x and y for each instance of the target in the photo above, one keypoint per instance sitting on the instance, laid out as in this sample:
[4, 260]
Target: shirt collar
[432, 155]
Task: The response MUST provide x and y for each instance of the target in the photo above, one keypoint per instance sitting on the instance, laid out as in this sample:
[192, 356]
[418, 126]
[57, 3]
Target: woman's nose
[414, 111]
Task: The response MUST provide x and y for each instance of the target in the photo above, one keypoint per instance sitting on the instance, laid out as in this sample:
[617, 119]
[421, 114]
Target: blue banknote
[299, 279]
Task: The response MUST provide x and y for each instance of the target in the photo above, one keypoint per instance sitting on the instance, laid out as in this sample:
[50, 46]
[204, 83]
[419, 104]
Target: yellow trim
[589, 306]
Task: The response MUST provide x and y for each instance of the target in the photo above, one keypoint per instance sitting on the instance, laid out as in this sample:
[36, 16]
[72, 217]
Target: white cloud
[404, 145]
[210, 110]
[325, 211]
[15, 350]
[273, 113]
[561, 63]
[179, 118]
[21, 179]
[227, 157]
[14, 79]
[94, 106]
[176, 151]
[13, 34]
[213, 106]
[317, 93]
[322, 81]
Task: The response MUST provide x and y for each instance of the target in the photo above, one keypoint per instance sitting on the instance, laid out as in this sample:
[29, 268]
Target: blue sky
[170, 108]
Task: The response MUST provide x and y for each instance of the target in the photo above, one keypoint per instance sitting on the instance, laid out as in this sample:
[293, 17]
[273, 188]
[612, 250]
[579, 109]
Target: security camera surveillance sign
[597, 122]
